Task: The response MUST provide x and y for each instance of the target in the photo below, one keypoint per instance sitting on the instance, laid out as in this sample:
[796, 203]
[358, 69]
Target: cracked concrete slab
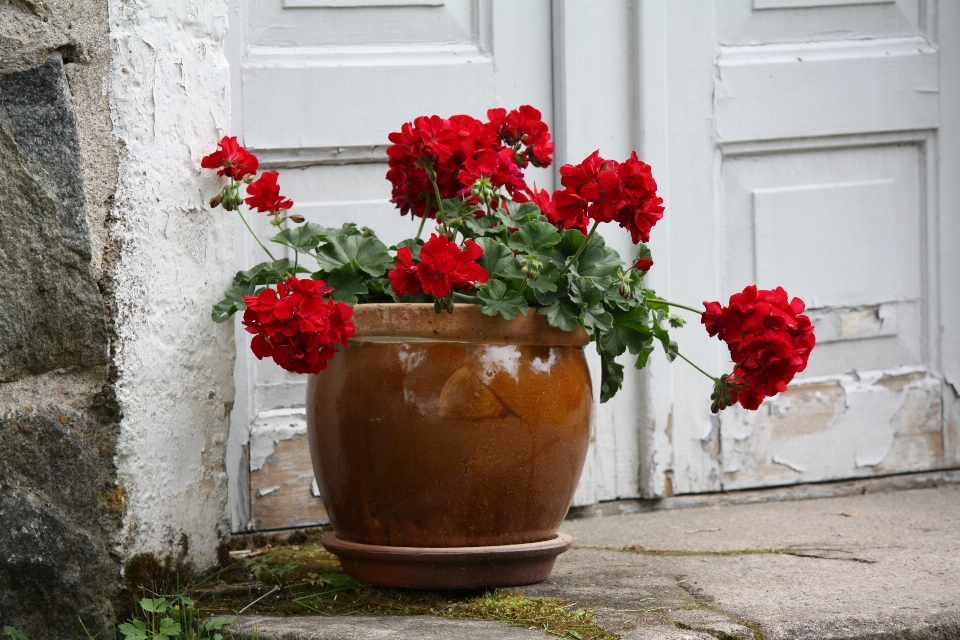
[871, 566]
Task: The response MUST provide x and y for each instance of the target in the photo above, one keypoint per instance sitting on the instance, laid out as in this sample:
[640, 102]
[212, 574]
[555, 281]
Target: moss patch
[304, 579]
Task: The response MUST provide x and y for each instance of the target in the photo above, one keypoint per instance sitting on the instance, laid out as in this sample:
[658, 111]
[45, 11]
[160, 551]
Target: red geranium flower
[404, 278]
[298, 324]
[443, 266]
[233, 160]
[570, 215]
[524, 127]
[769, 340]
[265, 194]
[500, 168]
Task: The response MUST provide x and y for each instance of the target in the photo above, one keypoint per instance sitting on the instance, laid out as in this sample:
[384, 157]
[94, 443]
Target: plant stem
[691, 363]
[255, 237]
[675, 304]
[423, 219]
[580, 251]
[436, 192]
[465, 297]
[275, 588]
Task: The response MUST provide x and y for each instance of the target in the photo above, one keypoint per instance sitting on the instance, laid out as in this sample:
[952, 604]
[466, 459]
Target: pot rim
[419, 322]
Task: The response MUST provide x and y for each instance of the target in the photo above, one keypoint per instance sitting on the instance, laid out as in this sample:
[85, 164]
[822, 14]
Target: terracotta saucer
[507, 565]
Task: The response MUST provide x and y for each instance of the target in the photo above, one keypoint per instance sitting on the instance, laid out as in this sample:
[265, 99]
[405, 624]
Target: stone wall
[60, 504]
[115, 386]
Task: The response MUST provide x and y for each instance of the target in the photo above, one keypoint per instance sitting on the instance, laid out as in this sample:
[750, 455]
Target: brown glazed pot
[449, 431]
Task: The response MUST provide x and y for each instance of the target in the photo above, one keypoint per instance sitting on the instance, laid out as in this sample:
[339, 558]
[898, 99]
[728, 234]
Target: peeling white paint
[270, 428]
[778, 459]
[830, 427]
[169, 103]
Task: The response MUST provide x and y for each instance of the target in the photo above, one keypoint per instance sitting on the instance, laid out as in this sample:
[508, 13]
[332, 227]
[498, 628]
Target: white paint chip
[268, 491]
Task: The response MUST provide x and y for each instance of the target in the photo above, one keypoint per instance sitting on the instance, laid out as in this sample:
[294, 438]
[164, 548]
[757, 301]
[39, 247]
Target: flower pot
[447, 447]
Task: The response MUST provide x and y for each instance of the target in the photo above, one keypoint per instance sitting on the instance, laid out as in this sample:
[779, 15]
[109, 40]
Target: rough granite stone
[59, 510]
[52, 315]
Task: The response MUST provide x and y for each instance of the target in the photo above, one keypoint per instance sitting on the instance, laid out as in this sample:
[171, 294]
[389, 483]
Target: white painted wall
[169, 92]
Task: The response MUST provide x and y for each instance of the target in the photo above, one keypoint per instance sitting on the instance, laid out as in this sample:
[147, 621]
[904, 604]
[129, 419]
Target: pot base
[508, 565]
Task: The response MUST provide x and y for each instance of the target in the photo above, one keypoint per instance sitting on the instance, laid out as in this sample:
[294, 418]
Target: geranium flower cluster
[605, 191]
[298, 324]
[460, 151]
[443, 267]
[769, 340]
[238, 164]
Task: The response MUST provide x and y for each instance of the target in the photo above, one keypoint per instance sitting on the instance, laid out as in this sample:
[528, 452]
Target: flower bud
[625, 289]
[296, 217]
[229, 198]
[482, 190]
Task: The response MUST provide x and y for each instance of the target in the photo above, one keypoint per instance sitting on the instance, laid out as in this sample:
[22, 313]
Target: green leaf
[134, 630]
[611, 376]
[570, 242]
[304, 238]
[547, 283]
[354, 253]
[596, 319]
[231, 303]
[474, 227]
[458, 208]
[169, 628]
[561, 313]
[670, 347]
[629, 331]
[215, 624]
[346, 286]
[496, 298]
[517, 214]
[644, 354]
[14, 634]
[536, 236]
[584, 290]
[599, 260]
[496, 256]
[154, 605]
[245, 283]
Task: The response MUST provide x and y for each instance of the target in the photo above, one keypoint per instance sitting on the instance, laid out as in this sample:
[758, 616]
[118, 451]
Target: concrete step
[873, 566]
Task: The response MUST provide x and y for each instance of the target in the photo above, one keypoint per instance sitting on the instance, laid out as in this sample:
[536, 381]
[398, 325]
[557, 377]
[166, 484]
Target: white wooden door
[813, 144]
[796, 144]
[318, 86]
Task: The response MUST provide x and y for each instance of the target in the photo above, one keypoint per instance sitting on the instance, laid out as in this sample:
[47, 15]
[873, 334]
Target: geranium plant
[495, 242]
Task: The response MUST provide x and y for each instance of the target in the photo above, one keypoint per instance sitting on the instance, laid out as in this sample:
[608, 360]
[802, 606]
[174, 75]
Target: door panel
[822, 157]
[765, 21]
[322, 84]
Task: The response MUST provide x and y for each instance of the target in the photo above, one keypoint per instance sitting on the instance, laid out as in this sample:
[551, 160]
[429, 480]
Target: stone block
[51, 312]
[59, 509]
